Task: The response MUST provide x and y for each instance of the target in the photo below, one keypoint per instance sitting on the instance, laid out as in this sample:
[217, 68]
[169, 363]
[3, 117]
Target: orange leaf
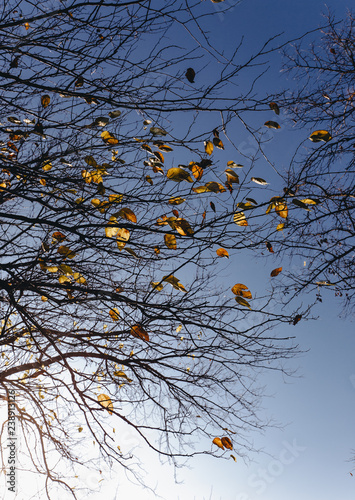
[222, 252]
[139, 332]
[218, 442]
[275, 272]
[227, 443]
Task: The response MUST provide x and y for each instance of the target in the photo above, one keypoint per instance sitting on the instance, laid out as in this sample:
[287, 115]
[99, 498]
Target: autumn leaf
[114, 313]
[320, 135]
[178, 174]
[126, 213]
[218, 143]
[259, 180]
[157, 131]
[222, 252]
[275, 107]
[227, 443]
[271, 124]
[232, 176]
[269, 247]
[242, 290]
[242, 302]
[239, 219]
[66, 252]
[45, 100]
[197, 171]
[280, 227]
[281, 210]
[139, 332]
[297, 318]
[110, 231]
[170, 241]
[275, 272]
[106, 402]
[190, 75]
[174, 282]
[218, 442]
[208, 147]
[232, 456]
[109, 138]
[182, 227]
[176, 200]
[122, 237]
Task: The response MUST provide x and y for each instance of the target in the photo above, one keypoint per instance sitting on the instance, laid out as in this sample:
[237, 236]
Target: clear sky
[308, 457]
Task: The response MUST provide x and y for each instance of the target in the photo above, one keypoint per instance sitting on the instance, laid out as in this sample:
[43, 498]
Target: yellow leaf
[43, 182]
[215, 187]
[47, 166]
[176, 201]
[149, 179]
[114, 313]
[44, 299]
[157, 286]
[109, 138]
[320, 135]
[146, 147]
[197, 171]
[111, 231]
[174, 282]
[122, 237]
[139, 332]
[280, 227]
[79, 278]
[52, 269]
[232, 177]
[218, 442]
[309, 201]
[178, 329]
[208, 147]
[106, 402]
[182, 227]
[80, 429]
[178, 174]
[222, 252]
[242, 291]
[63, 279]
[27, 26]
[159, 155]
[45, 100]
[281, 210]
[170, 241]
[227, 443]
[232, 456]
[271, 124]
[239, 219]
[218, 143]
[165, 148]
[126, 213]
[115, 198]
[275, 272]
[243, 302]
[66, 252]
[120, 373]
